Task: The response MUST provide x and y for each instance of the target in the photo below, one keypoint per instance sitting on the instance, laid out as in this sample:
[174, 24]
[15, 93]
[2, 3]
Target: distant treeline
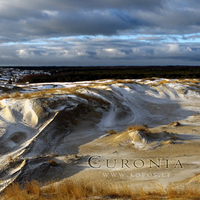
[70, 74]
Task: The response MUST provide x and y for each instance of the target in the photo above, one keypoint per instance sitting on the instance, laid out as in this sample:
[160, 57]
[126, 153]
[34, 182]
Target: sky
[99, 32]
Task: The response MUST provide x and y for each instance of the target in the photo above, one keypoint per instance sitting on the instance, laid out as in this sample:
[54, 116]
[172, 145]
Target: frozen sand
[32, 130]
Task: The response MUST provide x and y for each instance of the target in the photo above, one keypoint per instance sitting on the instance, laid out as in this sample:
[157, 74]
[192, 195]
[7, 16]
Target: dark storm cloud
[69, 5]
[65, 32]
[48, 18]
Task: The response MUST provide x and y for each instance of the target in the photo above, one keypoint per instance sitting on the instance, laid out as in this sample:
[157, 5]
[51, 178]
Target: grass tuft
[53, 163]
[33, 187]
[175, 124]
[137, 128]
[112, 132]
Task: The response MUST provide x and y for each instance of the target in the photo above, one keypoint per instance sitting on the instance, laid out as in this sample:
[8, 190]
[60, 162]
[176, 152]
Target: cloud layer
[114, 32]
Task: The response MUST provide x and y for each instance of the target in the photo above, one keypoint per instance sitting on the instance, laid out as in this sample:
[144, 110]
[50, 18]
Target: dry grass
[195, 81]
[14, 191]
[48, 92]
[15, 95]
[53, 154]
[112, 132]
[163, 82]
[38, 94]
[4, 96]
[33, 188]
[10, 159]
[196, 114]
[142, 132]
[86, 188]
[189, 82]
[175, 124]
[53, 163]
[72, 90]
[122, 81]
[149, 79]
[137, 128]
[131, 128]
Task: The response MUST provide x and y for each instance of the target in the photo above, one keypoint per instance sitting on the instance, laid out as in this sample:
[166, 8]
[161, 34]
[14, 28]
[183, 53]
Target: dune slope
[69, 123]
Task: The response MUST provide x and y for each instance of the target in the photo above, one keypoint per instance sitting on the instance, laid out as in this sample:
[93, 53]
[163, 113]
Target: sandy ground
[173, 160]
[72, 130]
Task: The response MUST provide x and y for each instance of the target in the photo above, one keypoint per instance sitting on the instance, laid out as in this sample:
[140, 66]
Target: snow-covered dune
[68, 115]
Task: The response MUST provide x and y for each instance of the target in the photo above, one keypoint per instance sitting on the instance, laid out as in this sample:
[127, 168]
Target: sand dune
[56, 119]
